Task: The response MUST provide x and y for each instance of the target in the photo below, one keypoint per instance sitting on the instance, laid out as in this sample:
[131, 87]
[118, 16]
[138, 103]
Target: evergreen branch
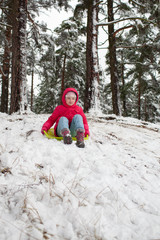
[140, 63]
[31, 20]
[121, 20]
[138, 4]
[34, 26]
[136, 46]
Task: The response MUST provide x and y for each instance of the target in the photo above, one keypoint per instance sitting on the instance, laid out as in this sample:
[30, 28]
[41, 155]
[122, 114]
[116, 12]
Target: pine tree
[136, 52]
[19, 13]
[48, 94]
[66, 44]
[142, 55]
[71, 53]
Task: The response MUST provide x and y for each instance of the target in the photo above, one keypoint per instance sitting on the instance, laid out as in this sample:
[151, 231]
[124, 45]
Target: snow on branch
[137, 46]
[32, 21]
[124, 19]
[134, 46]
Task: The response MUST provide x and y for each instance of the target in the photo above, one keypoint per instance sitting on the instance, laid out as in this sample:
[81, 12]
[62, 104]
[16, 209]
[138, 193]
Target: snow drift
[109, 190]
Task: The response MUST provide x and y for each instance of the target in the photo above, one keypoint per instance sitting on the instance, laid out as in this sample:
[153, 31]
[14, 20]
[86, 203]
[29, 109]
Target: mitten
[44, 129]
[87, 133]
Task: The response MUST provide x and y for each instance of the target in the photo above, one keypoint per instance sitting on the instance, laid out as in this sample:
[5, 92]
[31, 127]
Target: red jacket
[65, 111]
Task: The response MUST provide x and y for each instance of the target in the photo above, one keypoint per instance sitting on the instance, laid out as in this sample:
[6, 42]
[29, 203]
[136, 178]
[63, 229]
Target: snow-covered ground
[110, 190]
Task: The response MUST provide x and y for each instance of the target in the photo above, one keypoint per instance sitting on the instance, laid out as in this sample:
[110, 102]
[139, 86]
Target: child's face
[70, 100]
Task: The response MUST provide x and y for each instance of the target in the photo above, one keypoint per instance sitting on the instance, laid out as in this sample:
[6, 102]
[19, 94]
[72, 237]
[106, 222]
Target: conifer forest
[68, 56]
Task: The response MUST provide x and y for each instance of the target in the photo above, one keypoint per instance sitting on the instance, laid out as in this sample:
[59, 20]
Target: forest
[67, 56]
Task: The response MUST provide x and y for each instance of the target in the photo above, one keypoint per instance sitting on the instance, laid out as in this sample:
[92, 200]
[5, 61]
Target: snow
[108, 190]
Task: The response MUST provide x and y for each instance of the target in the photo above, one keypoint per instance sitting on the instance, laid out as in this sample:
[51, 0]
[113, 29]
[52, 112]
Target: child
[69, 118]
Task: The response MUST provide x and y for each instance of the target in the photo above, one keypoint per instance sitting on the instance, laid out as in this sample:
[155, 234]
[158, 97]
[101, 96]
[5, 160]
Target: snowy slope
[108, 191]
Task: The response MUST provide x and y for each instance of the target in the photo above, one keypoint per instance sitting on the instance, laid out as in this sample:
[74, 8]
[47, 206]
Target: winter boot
[80, 138]
[67, 139]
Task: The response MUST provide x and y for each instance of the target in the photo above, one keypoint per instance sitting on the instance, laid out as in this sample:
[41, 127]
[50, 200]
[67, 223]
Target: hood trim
[65, 92]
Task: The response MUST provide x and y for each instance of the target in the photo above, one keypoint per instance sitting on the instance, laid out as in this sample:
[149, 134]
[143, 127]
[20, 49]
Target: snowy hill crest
[108, 191]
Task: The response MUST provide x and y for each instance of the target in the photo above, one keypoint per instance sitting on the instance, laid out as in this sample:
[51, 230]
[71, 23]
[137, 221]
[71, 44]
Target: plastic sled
[50, 134]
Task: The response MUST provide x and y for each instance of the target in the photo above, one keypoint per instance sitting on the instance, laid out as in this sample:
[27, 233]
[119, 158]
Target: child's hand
[43, 129]
[87, 133]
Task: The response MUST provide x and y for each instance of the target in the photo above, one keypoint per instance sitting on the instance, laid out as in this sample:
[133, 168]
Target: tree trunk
[14, 83]
[123, 94]
[92, 71]
[19, 82]
[146, 109]
[139, 96]
[95, 104]
[5, 70]
[63, 75]
[32, 83]
[113, 61]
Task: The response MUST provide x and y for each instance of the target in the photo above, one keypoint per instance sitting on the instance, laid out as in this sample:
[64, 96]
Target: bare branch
[103, 48]
[120, 29]
[4, 24]
[98, 3]
[104, 30]
[1, 71]
[3, 8]
[100, 44]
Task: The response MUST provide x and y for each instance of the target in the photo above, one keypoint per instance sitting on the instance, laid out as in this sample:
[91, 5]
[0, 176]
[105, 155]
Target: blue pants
[77, 123]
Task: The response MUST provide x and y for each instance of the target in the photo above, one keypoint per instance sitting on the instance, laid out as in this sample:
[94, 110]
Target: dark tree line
[133, 58]
[14, 16]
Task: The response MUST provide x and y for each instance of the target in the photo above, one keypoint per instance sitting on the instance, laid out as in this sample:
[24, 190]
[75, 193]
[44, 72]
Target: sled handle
[61, 138]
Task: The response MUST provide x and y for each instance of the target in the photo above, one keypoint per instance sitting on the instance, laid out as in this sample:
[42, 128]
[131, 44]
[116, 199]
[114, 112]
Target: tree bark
[92, 65]
[32, 91]
[5, 70]
[139, 96]
[123, 93]
[63, 76]
[19, 86]
[6, 60]
[95, 104]
[113, 60]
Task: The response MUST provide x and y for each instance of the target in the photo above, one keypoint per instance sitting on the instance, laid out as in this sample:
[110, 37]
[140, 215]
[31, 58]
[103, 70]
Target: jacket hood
[64, 94]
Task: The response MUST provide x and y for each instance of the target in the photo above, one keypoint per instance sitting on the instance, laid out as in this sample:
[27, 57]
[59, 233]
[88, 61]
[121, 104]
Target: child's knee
[63, 119]
[77, 116]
